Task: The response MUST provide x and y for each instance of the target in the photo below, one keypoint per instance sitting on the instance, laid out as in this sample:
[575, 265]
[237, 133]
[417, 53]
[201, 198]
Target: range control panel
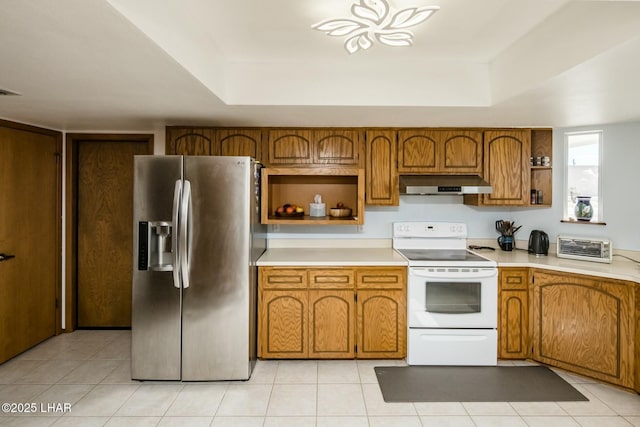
[430, 229]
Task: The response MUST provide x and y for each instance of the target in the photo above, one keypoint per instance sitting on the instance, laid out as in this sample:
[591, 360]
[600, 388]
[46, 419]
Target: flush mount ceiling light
[375, 20]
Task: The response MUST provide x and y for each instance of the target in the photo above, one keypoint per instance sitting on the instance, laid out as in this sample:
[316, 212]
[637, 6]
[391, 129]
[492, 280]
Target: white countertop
[331, 256]
[378, 254]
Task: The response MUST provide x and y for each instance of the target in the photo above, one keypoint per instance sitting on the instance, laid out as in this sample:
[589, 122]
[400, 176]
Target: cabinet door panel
[462, 152]
[382, 278]
[337, 147]
[331, 324]
[506, 167]
[584, 325]
[381, 171]
[289, 147]
[191, 141]
[332, 278]
[416, 152]
[514, 318]
[240, 142]
[381, 324]
[283, 324]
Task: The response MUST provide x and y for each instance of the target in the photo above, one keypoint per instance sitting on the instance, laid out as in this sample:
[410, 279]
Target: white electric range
[452, 296]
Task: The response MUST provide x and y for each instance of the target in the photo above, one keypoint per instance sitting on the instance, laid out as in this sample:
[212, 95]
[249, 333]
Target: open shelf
[299, 186]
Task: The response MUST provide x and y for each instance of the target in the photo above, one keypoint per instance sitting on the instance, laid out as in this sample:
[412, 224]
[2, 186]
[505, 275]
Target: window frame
[565, 170]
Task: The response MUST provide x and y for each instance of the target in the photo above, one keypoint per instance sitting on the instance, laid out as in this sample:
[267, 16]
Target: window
[583, 160]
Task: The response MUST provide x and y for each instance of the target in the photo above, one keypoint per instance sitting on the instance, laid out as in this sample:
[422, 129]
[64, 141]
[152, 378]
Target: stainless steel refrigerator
[197, 239]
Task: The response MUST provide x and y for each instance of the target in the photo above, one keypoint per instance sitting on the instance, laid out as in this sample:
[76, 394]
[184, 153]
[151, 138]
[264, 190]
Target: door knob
[4, 257]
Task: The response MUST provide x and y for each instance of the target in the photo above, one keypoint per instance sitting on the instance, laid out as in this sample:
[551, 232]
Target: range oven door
[451, 297]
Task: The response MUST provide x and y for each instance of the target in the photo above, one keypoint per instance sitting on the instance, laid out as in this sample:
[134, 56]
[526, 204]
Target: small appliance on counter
[538, 243]
[585, 249]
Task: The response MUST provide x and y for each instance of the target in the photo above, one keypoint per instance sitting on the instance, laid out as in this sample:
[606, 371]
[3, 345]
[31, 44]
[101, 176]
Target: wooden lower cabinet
[513, 313]
[332, 312]
[586, 325]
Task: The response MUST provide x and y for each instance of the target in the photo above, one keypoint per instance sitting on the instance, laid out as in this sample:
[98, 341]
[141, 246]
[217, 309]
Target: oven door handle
[482, 274]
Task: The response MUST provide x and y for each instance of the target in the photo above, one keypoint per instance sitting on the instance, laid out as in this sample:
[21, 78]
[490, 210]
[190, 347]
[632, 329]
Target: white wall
[621, 174]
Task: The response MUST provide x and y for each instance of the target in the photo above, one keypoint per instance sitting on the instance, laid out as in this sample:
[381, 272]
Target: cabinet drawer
[382, 278]
[339, 278]
[514, 278]
[283, 278]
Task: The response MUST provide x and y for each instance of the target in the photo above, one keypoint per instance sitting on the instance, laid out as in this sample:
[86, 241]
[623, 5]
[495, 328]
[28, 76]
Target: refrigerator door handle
[177, 193]
[184, 230]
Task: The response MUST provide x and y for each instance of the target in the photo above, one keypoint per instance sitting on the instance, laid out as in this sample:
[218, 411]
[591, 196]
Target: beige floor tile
[103, 400]
[133, 421]
[49, 372]
[28, 422]
[399, 421]
[338, 372]
[264, 372]
[15, 393]
[64, 393]
[551, 421]
[81, 421]
[603, 421]
[340, 399]
[90, 372]
[440, 408]
[342, 422]
[245, 400]
[621, 401]
[120, 375]
[17, 368]
[594, 407]
[498, 421]
[185, 422]
[635, 421]
[367, 372]
[150, 400]
[297, 372]
[237, 422]
[197, 400]
[290, 422]
[292, 400]
[538, 408]
[489, 408]
[376, 406]
[447, 421]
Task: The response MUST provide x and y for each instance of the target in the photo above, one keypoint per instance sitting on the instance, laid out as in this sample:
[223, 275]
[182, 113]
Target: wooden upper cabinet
[417, 151]
[314, 147]
[240, 142]
[190, 141]
[440, 151]
[381, 182]
[506, 167]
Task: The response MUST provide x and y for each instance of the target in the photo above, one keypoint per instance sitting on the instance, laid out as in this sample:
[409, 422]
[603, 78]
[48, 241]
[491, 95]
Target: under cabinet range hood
[443, 184]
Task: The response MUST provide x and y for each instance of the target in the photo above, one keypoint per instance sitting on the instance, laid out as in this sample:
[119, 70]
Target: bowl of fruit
[288, 210]
[340, 211]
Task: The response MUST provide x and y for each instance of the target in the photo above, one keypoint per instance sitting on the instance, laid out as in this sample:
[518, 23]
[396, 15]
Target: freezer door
[155, 322]
[219, 304]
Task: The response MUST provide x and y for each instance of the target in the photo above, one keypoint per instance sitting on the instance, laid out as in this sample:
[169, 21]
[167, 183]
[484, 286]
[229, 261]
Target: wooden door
[513, 313]
[30, 182]
[240, 142]
[289, 147]
[104, 194]
[190, 141]
[585, 325]
[283, 317]
[381, 317]
[331, 324]
[461, 152]
[381, 171]
[506, 167]
[417, 151]
[337, 147]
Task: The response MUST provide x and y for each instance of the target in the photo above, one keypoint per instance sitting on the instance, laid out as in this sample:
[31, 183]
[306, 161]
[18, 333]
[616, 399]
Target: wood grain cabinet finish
[341, 320]
[381, 182]
[506, 168]
[586, 325]
[240, 142]
[314, 147]
[430, 151]
[190, 141]
[513, 313]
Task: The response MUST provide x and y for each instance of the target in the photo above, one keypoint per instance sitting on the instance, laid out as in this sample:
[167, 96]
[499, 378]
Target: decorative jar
[583, 209]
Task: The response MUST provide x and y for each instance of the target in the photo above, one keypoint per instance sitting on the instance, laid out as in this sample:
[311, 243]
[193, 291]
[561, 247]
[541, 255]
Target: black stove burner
[462, 255]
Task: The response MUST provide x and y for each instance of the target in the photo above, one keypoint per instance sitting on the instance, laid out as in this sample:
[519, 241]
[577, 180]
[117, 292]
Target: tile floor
[89, 370]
